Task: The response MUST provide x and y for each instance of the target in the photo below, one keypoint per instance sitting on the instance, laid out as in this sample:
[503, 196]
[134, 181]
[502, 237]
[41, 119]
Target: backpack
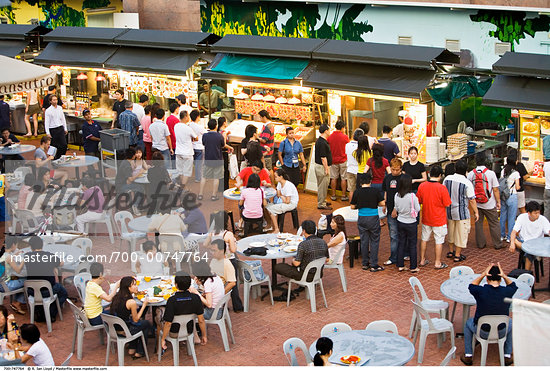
[483, 193]
[504, 189]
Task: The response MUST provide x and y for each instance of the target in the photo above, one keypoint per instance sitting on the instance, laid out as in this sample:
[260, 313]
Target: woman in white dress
[338, 240]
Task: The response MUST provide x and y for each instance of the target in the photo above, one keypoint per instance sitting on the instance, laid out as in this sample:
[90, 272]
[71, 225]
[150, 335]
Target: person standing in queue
[56, 126]
[290, 154]
[118, 107]
[323, 161]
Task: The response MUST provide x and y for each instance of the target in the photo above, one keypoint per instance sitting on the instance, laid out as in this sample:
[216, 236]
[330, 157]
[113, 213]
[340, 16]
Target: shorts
[521, 199]
[458, 232]
[278, 209]
[34, 109]
[268, 162]
[213, 172]
[338, 170]
[184, 165]
[352, 182]
[439, 233]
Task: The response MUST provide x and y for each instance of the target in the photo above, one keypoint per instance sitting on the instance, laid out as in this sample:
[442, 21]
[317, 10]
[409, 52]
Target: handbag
[233, 166]
[256, 266]
[414, 213]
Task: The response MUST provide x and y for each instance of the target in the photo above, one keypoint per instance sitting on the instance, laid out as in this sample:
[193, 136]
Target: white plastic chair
[335, 327]
[493, 338]
[383, 325]
[224, 323]
[84, 244]
[38, 299]
[67, 361]
[290, 346]
[81, 326]
[529, 280]
[7, 292]
[447, 359]
[122, 218]
[80, 281]
[242, 266]
[461, 270]
[430, 326]
[340, 268]
[10, 205]
[431, 306]
[310, 286]
[27, 220]
[106, 219]
[109, 322]
[182, 335]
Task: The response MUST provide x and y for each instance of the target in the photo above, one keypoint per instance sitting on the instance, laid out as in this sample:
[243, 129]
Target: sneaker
[345, 198]
[388, 262]
[376, 268]
[468, 361]
[508, 361]
[365, 267]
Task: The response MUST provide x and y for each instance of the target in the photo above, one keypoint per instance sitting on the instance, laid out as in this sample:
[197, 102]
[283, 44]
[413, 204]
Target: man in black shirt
[323, 161]
[7, 140]
[182, 302]
[43, 265]
[389, 187]
[46, 102]
[367, 200]
[118, 107]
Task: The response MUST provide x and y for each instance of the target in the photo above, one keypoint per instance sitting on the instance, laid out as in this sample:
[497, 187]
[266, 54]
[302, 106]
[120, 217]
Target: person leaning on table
[489, 301]
[95, 294]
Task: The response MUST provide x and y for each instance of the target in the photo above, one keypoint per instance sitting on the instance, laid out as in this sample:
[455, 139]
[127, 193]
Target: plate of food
[350, 360]
[275, 243]
[530, 127]
[155, 299]
[529, 142]
[236, 192]
[283, 236]
[290, 248]
[257, 244]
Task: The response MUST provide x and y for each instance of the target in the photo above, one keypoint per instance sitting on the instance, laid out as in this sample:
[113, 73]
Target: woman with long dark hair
[214, 290]
[362, 154]
[509, 207]
[125, 307]
[406, 211]
[379, 166]
[252, 199]
[251, 148]
[338, 240]
[324, 351]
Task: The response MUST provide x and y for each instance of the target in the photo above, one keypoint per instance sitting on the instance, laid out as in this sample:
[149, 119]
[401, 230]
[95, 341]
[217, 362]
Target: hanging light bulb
[242, 95]
[269, 98]
[82, 76]
[281, 100]
[99, 77]
[257, 96]
[294, 100]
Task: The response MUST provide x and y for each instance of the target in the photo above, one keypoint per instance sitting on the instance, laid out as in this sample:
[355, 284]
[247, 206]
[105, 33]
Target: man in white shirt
[56, 126]
[198, 147]
[399, 129]
[160, 136]
[529, 225]
[182, 101]
[488, 202]
[184, 147]
[352, 166]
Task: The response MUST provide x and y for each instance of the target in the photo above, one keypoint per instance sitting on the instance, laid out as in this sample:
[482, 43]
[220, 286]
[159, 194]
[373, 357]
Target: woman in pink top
[145, 123]
[25, 190]
[252, 199]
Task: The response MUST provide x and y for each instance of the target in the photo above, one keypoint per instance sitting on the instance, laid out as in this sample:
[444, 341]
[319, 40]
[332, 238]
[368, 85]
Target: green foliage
[512, 26]
[472, 111]
[94, 4]
[58, 14]
[7, 12]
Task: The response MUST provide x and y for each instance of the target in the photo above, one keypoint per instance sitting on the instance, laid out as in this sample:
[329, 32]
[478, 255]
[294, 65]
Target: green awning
[459, 87]
[265, 67]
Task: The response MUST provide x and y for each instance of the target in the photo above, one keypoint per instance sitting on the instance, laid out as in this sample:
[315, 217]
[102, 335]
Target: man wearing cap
[129, 121]
[399, 129]
[90, 134]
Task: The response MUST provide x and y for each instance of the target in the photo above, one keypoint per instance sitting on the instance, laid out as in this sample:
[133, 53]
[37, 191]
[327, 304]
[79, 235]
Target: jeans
[394, 237]
[167, 160]
[14, 285]
[208, 312]
[198, 156]
[377, 186]
[235, 298]
[369, 231]
[508, 212]
[135, 327]
[470, 329]
[407, 243]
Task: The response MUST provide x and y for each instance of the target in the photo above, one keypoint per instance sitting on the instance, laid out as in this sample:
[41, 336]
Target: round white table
[155, 281]
[17, 150]
[143, 179]
[456, 289]
[538, 247]
[351, 215]
[273, 253]
[268, 193]
[80, 161]
[70, 255]
[141, 223]
[376, 348]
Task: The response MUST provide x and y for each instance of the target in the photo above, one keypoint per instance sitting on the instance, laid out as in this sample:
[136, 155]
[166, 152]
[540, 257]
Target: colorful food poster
[530, 132]
[545, 125]
[415, 131]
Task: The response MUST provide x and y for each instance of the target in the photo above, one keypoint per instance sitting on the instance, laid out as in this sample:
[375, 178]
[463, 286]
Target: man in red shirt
[434, 198]
[171, 121]
[337, 142]
[254, 168]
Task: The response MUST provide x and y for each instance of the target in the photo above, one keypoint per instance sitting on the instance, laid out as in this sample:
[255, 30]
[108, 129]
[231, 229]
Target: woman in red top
[379, 166]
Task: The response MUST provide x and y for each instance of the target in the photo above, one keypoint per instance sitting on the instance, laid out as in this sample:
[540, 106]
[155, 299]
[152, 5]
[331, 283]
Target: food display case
[303, 134]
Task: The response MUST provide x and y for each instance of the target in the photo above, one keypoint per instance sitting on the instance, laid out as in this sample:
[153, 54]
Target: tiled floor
[261, 332]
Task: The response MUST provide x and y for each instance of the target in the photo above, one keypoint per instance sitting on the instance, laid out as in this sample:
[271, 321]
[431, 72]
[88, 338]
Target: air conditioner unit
[501, 48]
[404, 40]
[452, 45]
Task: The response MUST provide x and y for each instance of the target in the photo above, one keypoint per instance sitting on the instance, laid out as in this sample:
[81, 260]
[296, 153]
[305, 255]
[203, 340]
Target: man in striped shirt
[462, 194]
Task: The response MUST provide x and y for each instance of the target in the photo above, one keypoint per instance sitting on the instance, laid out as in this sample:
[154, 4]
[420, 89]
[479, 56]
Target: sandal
[199, 197]
[17, 310]
[415, 270]
[426, 262]
[450, 254]
[376, 268]
[459, 258]
[403, 269]
[442, 266]
[333, 198]
[214, 198]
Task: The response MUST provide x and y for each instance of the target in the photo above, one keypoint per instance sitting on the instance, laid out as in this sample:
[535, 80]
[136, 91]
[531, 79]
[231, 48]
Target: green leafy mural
[284, 19]
[512, 26]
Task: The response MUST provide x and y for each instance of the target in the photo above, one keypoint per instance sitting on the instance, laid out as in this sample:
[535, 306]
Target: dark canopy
[363, 78]
[267, 46]
[16, 31]
[384, 54]
[10, 48]
[85, 35]
[519, 92]
[159, 61]
[523, 64]
[175, 40]
[75, 55]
